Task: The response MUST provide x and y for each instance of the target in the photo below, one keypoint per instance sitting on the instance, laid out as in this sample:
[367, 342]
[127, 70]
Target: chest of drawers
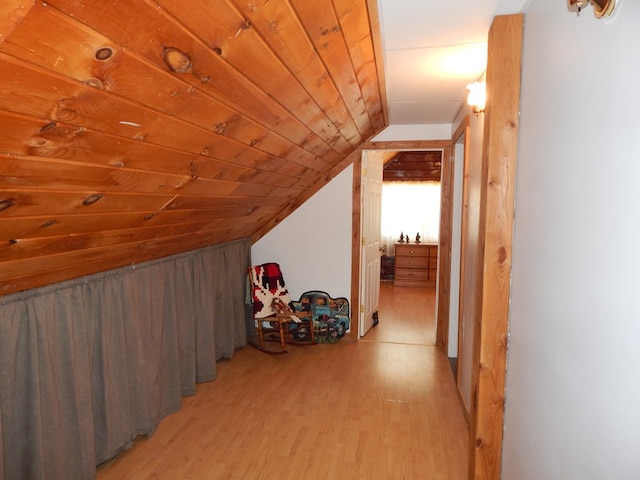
[416, 265]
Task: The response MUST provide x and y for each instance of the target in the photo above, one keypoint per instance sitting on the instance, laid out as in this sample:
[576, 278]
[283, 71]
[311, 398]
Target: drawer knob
[412, 252]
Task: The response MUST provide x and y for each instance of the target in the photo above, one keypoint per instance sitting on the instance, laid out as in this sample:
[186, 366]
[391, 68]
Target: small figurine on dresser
[418, 237]
[402, 237]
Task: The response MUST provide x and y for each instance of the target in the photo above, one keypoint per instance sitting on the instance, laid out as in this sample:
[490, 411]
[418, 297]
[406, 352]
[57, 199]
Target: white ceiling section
[432, 50]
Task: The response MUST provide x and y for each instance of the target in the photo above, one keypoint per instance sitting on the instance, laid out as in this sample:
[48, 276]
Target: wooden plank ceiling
[414, 166]
[132, 130]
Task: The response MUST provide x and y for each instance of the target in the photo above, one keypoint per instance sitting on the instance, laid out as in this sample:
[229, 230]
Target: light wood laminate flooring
[406, 315]
[370, 410]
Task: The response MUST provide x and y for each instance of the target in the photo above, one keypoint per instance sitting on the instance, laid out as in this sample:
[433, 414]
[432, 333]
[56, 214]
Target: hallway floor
[374, 409]
[406, 315]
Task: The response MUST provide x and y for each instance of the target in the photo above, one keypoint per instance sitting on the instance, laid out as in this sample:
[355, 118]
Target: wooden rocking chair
[274, 317]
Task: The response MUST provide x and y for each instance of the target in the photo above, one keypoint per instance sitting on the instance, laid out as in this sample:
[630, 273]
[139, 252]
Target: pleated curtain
[88, 365]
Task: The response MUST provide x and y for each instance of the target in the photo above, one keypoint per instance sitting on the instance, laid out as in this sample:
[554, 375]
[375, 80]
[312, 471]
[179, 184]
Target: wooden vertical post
[356, 245]
[444, 250]
[496, 229]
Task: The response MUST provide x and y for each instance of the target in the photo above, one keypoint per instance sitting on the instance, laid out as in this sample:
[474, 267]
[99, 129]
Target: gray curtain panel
[88, 365]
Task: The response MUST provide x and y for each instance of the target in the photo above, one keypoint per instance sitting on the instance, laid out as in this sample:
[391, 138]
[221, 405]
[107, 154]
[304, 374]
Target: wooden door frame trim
[443, 287]
[445, 146]
[356, 243]
[463, 129]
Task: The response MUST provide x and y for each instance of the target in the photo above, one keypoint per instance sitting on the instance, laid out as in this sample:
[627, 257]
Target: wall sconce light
[601, 8]
[477, 97]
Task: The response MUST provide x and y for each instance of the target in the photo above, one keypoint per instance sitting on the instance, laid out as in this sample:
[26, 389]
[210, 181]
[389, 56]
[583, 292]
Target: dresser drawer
[416, 265]
[411, 274]
[412, 250]
[412, 262]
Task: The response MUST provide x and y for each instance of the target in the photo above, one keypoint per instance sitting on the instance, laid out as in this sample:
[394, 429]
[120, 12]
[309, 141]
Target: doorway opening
[406, 306]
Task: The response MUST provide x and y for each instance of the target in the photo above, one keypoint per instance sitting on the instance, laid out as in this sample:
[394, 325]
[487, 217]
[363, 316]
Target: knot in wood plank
[6, 203]
[91, 199]
[104, 53]
[48, 223]
[93, 82]
[502, 255]
[49, 126]
[177, 60]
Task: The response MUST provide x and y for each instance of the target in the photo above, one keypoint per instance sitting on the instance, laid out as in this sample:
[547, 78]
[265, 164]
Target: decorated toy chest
[330, 315]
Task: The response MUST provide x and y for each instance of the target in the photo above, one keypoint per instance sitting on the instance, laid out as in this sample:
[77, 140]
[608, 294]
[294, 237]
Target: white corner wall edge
[313, 244]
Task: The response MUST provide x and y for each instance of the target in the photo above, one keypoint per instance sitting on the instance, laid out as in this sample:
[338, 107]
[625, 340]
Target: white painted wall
[573, 380]
[313, 244]
[414, 132]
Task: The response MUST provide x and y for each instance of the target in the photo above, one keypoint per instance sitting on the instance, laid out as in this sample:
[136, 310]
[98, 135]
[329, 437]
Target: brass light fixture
[477, 97]
[601, 8]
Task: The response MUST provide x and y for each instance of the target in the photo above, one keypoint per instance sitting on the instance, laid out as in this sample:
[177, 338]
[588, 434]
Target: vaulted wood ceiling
[132, 130]
[414, 166]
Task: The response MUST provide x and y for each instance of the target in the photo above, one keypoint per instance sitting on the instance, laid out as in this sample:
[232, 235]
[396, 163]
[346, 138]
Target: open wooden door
[372, 163]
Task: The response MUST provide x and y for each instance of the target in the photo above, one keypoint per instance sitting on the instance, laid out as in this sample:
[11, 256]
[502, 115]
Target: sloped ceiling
[131, 130]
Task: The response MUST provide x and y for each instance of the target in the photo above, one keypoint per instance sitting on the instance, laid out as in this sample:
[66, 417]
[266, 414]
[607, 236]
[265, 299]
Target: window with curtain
[410, 207]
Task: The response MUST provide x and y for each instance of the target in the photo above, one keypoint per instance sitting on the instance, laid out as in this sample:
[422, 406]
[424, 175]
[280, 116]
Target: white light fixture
[477, 97]
[601, 8]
